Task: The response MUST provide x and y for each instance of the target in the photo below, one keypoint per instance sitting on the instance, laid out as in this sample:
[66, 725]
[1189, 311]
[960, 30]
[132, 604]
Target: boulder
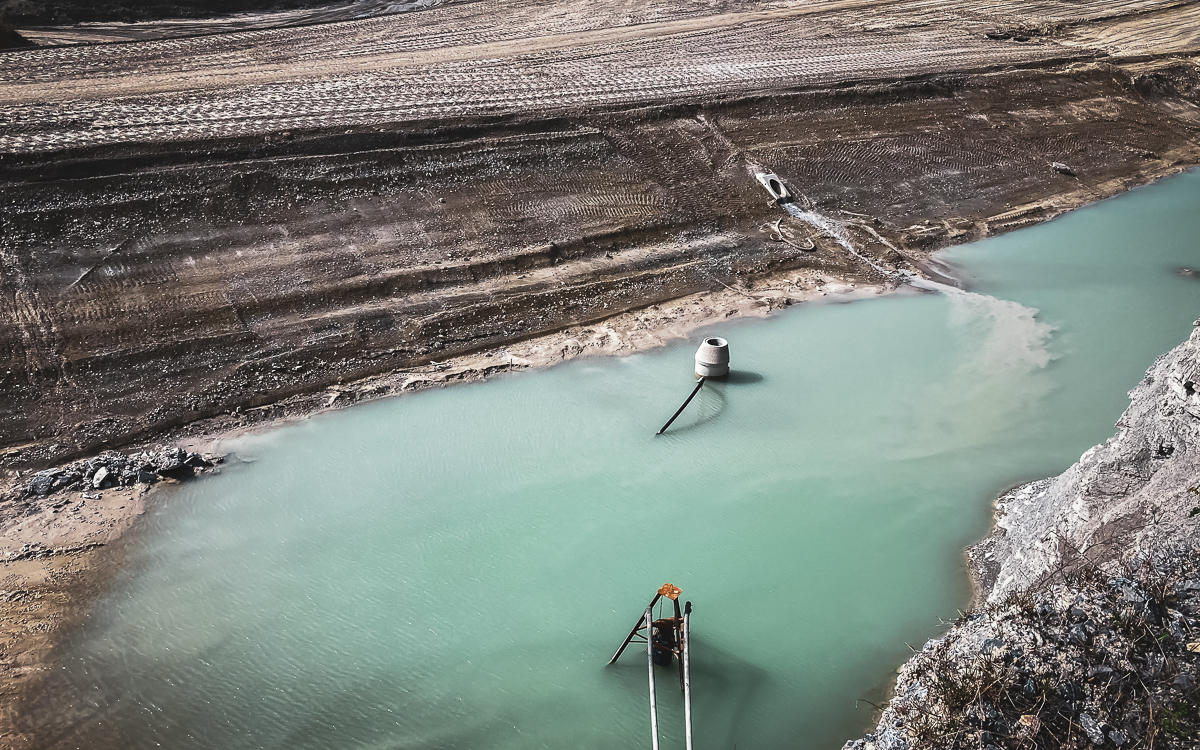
[196, 461]
[170, 460]
[41, 485]
[99, 478]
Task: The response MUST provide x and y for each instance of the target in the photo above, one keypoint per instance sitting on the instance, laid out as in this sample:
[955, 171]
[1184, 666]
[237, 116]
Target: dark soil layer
[200, 226]
[11, 39]
[39, 12]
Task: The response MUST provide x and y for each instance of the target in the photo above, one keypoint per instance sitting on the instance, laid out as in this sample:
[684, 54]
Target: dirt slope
[203, 225]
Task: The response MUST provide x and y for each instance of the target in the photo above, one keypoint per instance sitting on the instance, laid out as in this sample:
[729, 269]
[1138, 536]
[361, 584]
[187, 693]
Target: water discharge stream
[453, 569]
[1014, 342]
[836, 230]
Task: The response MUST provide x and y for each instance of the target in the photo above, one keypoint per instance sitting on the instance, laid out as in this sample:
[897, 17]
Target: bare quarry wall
[1136, 492]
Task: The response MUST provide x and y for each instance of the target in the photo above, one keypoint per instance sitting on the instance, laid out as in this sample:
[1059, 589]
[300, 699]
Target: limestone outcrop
[1107, 660]
[1087, 627]
[1137, 491]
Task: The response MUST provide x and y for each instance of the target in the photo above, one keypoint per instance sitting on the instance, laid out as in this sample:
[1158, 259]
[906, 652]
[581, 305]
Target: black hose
[680, 411]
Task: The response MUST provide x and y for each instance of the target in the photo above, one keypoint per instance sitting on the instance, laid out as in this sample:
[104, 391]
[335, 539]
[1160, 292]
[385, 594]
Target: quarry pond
[453, 569]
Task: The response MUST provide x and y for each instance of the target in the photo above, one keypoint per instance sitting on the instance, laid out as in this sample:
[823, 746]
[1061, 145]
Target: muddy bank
[67, 23]
[195, 228]
[1087, 631]
[61, 532]
[40, 600]
[55, 560]
[148, 287]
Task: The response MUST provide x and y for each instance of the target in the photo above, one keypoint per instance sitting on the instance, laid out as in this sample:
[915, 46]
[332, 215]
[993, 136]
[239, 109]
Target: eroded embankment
[152, 286]
[1088, 632]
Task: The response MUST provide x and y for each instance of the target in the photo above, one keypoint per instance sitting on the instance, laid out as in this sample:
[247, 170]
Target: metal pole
[637, 626]
[650, 662]
[679, 641]
[685, 403]
[687, 676]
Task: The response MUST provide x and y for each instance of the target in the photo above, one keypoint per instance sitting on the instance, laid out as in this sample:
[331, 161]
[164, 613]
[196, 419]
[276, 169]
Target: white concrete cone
[712, 358]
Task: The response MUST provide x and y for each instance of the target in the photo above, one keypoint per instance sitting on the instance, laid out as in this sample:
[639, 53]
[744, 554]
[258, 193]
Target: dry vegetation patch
[1108, 659]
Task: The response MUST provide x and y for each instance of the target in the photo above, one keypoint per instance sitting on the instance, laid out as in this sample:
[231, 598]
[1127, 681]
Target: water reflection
[743, 377]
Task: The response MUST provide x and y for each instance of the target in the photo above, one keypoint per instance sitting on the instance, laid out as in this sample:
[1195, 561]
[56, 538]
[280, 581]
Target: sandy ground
[50, 563]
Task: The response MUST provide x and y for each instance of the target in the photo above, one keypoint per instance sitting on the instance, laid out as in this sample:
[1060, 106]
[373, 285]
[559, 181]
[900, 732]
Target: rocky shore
[57, 547]
[1087, 626]
[111, 469]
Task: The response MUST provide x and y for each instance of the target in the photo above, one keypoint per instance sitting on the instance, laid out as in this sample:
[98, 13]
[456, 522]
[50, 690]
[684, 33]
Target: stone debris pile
[1110, 659]
[112, 469]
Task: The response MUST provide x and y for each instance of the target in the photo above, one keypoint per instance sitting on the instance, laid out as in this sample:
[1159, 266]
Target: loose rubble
[1137, 490]
[1110, 659]
[112, 469]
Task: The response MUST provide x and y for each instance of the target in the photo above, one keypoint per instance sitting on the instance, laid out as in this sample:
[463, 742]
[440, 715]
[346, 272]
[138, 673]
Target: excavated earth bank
[1088, 634]
[201, 234]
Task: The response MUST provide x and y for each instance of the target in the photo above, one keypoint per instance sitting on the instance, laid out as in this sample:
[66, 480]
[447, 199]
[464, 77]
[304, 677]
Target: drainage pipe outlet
[712, 358]
[774, 186]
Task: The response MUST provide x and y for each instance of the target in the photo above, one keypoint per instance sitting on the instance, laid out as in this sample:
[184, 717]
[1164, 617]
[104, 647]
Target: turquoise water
[453, 569]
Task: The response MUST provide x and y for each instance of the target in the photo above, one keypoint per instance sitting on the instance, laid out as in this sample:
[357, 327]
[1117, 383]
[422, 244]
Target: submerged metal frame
[682, 652]
[650, 665]
[686, 671]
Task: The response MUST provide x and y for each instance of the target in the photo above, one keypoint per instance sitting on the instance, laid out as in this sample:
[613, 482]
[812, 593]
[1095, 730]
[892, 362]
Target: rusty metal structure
[667, 642]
